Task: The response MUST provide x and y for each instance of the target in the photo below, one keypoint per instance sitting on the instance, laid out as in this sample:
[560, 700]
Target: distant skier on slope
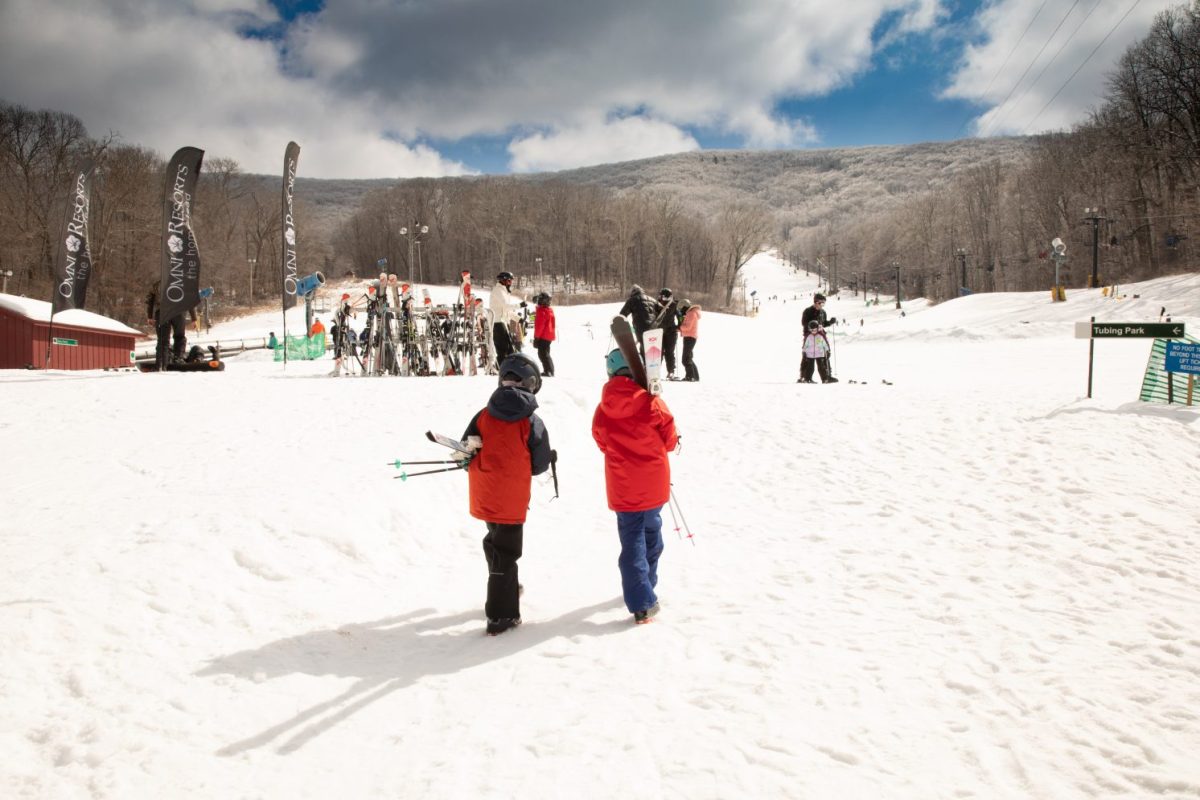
[689, 329]
[503, 305]
[668, 320]
[635, 431]
[816, 342]
[511, 446]
[544, 333]
[641, 310]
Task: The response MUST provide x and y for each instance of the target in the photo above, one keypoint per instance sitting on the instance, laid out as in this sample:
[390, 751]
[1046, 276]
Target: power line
[1033, 61]
[1057, 53]
[1020, 39]
[1085, 61]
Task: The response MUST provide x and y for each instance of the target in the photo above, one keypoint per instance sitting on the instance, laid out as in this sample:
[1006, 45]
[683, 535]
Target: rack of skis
[402, 338]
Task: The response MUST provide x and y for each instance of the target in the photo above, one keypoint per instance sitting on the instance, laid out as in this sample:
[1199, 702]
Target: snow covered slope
[969, 583]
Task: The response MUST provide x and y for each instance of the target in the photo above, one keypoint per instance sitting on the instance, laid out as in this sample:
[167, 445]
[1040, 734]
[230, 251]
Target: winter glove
[524, 304]
[473, 444]
[553, 456]
[832, 321]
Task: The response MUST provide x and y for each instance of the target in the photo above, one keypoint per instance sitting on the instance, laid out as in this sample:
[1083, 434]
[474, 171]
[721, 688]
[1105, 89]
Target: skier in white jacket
[504, 305]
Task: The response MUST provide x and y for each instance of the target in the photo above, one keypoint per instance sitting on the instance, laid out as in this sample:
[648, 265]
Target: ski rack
[423, 341]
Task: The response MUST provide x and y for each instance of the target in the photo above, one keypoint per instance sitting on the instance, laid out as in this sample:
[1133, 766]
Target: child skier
[635, 430]
[689, 329]
[510, 446]
[543, 333]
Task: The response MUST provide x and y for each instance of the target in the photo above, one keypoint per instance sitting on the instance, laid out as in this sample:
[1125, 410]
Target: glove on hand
[832, 321]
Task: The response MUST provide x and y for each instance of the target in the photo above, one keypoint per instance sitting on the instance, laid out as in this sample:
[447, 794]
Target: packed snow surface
[954, 577]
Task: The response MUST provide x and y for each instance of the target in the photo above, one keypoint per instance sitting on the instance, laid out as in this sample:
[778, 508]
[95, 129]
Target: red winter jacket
[543, 324]
[515, 447]
[634, 430]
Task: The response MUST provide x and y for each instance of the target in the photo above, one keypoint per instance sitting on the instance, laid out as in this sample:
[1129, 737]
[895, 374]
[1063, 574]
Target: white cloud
[1017, 78]
[164, 77]
[600, 142]
[360, 82]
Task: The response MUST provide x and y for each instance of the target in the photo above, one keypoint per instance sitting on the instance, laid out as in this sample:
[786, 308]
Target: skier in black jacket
[816, 314]
[642, 311]
[668, 320]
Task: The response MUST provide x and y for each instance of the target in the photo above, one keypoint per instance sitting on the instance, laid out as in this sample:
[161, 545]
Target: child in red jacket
[635, 431]
[543, 333]
[511, 446]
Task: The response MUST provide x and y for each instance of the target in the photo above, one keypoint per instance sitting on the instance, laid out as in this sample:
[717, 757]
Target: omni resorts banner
[179, 290]
[73, 266]
[290, 157]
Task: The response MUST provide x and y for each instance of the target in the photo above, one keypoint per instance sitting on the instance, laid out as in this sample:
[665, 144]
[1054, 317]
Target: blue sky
[379, 88]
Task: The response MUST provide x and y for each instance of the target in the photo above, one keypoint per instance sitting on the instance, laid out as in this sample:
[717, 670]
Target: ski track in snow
[971, 583]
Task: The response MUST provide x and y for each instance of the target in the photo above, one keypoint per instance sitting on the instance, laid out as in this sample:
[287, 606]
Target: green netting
[1157, 386]
[302, 348]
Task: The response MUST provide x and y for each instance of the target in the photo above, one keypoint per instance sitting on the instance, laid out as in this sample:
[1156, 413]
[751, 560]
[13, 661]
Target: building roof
[39, 311]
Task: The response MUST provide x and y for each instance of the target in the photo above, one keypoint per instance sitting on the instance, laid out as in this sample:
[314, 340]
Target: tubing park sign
[1131, 330]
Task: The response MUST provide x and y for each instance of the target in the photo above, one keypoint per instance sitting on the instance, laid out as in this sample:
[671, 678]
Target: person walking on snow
[543, 333]
[642, 310]
[510, 445]
[504, 315]
[635, 431]
[816, 343]
[689, 329]
[668, 320]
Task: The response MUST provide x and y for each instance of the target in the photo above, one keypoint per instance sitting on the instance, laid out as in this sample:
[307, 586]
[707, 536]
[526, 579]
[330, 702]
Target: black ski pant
[691, 373]
[503, 342]
[670, 337]
[806, 368]
[543, 351]
[176, 326]
[502, 548]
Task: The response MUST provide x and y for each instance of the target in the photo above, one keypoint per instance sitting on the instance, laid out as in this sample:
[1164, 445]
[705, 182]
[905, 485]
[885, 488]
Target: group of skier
[675, 319]
[506, 444]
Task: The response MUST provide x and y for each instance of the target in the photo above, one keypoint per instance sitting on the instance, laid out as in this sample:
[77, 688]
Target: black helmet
[664, 292]
[685, 304]
[504, 277]
[522, 369]
[543, 299]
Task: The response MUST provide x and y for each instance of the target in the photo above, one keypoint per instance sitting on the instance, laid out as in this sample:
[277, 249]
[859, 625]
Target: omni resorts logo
[289, 232]
[78, 263]
[177, 232]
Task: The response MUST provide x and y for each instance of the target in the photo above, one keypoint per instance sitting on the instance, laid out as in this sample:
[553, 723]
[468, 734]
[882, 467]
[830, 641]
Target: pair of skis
[648, 373]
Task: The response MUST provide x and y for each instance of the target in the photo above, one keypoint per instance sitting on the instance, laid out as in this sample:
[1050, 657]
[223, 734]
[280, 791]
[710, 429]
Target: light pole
[6, 274]
[962, 263]
[1093, 216]
[411, 234]
[252, 262]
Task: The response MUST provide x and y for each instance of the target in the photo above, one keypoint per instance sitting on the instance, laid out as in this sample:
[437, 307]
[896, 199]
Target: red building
[81, 339]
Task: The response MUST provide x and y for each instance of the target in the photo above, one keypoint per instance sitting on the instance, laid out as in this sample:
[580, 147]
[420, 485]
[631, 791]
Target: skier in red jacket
[543, 333]
[511, 446]
[635, 431]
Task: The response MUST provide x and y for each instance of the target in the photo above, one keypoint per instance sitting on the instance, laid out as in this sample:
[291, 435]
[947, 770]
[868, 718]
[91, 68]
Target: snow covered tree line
[601, 238]
[1136, 160]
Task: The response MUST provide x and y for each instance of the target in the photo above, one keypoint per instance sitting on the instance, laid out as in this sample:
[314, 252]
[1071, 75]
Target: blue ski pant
[641, 545]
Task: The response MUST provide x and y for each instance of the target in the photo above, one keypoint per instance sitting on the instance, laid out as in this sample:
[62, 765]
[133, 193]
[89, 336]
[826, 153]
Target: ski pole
[674, 520]
[554, 471]
[405, 476]
[687, 528]
[398, 464]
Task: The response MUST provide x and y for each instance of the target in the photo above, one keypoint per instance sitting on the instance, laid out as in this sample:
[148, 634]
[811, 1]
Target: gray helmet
[522, 369]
